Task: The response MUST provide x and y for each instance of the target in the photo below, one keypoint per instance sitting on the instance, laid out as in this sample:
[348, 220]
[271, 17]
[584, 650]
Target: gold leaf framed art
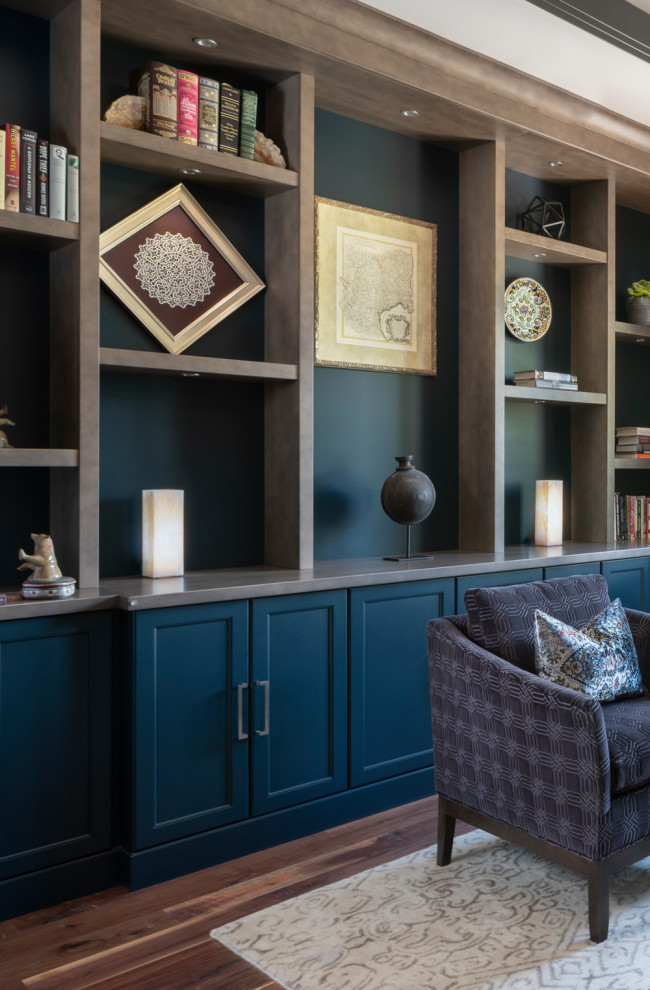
[375, 290]
[172, 267]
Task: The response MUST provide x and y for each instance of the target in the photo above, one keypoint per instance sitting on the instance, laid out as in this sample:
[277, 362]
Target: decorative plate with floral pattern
[527, 309]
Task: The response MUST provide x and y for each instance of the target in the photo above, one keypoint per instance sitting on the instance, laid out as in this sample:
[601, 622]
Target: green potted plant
[637, 305]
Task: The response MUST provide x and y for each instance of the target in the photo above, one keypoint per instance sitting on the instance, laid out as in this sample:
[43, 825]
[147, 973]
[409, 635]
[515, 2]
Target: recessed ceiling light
[190, 171]
[410, 113]
[555, 164]
[205, 42]
[190, 374]
[640, 340]
[539, 254]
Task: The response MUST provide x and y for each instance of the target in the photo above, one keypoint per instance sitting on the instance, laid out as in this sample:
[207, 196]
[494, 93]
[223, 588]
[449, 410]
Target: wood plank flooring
[159, 938]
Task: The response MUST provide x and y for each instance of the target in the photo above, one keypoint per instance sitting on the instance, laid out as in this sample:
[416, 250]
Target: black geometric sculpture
[543, 216]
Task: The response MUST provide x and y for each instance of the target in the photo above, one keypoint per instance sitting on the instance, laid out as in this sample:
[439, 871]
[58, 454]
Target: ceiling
[621, 23]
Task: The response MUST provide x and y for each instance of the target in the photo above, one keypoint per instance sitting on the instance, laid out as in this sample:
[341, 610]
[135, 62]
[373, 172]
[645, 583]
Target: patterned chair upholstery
[540, 765]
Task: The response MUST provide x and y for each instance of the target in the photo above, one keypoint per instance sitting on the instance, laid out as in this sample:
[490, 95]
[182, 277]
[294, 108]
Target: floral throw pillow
[599, 659]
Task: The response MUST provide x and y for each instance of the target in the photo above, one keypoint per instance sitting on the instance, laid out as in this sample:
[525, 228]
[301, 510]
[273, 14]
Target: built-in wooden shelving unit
[631, 464]
[38, 457]
[632, 333]
[38, 233]
[545, 250]
[148, 362]
[150, 153]
[562, 397]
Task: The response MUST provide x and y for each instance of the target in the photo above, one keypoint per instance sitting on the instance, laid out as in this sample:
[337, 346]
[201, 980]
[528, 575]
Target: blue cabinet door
[55, 740]
[629, 580]
[299, 698]
[390, 711]
[191, 767]
[566, 570]
[496, 580]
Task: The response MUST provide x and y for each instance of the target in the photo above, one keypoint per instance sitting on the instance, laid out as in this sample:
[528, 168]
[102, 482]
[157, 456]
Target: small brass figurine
[46, 581]
[5, 421]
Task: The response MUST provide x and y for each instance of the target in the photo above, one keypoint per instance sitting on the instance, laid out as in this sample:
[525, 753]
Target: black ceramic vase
[407, 496]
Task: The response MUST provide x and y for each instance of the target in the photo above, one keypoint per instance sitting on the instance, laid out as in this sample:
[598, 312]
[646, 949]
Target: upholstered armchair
[544, 766]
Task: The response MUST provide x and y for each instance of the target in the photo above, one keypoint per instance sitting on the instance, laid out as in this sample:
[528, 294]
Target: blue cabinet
[629, 579]
[390, 712]
[190, 680]
[495, 580]
[55, 740]
[299, 698]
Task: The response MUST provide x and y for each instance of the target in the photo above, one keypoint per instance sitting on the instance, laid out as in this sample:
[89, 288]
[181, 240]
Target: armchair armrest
[515, 746]
[640, 628]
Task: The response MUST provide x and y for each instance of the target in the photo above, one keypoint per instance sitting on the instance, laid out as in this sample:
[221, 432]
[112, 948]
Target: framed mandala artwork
[375, 290]
[174, 270]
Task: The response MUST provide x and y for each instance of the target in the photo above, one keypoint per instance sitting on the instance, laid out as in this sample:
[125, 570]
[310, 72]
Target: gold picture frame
[375, 290]
[172, 267]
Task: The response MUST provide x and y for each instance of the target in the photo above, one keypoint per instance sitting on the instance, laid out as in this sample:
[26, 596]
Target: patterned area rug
[496, 918]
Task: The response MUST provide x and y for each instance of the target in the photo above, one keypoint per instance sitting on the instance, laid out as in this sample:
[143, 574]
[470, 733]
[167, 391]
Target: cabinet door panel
[566, 570]
[55, 757]
[495, 580]
[628, 580]
[299, 647]
[390, 711]
[192, 770]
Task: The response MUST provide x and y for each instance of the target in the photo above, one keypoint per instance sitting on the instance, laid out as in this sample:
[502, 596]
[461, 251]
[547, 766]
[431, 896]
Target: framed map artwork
[375, 290]
[174, 270]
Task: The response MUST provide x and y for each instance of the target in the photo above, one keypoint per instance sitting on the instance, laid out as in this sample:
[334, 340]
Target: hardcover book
[12, 167]
[58, 180]
[540, 383]
[248, 124]
[42, 193]
[3, 166]
[229, 115]
[157, 82]
[208, 136]
[550, 376]
[627, 431]
[27, 171]
[188, 107]
[72, 189]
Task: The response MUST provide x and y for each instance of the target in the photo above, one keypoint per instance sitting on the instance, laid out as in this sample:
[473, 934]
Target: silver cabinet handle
[265, 730]
[240, 711]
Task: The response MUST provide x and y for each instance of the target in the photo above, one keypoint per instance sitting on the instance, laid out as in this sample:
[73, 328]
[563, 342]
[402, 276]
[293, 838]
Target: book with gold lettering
[208, 113]
[157, 82]
[229, 116]
[12, 167]
[248, 122]
[188, 107]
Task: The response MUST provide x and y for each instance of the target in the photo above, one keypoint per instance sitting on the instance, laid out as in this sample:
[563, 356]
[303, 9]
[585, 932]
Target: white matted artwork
[375, 290]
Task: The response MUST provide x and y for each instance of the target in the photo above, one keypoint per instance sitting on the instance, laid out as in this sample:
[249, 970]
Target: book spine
[208, 136]
[158, 84]
[58, 178]
[229, 115]
[3, 166]
[27, 171]
[12, 168]
[42, 200]
[188, 107]
[72, 189]
[248, 124]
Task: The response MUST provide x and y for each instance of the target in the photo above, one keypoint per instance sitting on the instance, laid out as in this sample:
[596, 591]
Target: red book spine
[188, 107]
[12, 168]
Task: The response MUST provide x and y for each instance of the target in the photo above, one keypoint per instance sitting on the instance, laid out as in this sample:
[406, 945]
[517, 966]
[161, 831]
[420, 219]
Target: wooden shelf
[148, 362]
[39, 233]
[150, 153]
[559, 396]
[631, 464]
[38, 457]
[633, 333]
[527, 247]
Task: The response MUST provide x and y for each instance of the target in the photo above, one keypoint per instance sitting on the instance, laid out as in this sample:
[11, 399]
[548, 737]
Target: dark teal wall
[24, 347]
[363, 419]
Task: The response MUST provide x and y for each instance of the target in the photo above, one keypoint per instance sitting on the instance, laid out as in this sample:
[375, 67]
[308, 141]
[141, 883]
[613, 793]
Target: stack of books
[196, 110]
[631, 517]
[546, 379]
[633, 441]
[37, 177]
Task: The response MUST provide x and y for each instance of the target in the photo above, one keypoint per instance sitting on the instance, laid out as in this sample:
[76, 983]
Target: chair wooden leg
[599, 902]
[446, 829]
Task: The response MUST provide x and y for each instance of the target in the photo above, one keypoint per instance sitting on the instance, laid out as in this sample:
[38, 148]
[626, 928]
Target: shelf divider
[633, 333]
[565, 397]
[150, 362]
[38, 457]
[547, 251]
[39, 233]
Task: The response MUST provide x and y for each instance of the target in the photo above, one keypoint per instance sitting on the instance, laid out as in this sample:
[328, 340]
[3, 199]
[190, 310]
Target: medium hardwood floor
[159, 938]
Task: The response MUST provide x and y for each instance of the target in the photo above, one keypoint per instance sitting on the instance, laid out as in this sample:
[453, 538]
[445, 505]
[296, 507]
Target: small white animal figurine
[42, 562]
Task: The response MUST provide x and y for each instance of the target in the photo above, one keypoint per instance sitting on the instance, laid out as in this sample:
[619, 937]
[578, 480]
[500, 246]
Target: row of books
[196, 110]
[633, 441]
[631, 517]
[36, 176]
[546, 379]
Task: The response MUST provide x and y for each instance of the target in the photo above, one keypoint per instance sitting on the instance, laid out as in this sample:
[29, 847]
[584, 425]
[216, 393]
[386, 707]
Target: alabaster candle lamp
[548, 513]
[162, 533]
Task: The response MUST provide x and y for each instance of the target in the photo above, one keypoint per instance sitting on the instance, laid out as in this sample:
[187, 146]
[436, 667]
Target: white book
[72, 192]
[58, 180]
